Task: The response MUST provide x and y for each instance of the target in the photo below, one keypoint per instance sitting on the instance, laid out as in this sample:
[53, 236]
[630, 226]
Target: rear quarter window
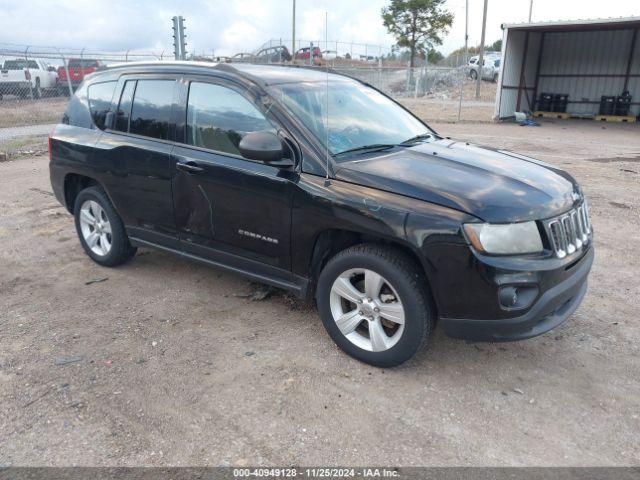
[77, 113]
[100, 96]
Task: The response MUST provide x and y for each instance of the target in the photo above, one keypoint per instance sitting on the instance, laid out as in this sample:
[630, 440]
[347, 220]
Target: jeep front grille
[570, 231]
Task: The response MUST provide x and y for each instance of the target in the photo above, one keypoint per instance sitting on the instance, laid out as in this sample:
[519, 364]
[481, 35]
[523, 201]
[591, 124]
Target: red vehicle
[78, 68]
[304, 53]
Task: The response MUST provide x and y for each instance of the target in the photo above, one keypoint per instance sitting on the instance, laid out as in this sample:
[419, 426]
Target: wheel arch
[332, 241]
[74, 183]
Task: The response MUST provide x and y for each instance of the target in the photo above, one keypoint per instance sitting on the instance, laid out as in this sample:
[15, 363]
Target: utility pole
[466, 54]
[179, 45]
[293, 32]
[481, 59]
[530, 9]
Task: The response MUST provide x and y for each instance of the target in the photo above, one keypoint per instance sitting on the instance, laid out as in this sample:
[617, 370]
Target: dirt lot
[443, 105]
[166, 362]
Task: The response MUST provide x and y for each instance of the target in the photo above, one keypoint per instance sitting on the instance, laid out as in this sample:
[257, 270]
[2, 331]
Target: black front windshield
[358, 115]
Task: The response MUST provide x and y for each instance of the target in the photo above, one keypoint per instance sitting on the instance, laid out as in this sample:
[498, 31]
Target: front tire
[374, 304]
[100, 229]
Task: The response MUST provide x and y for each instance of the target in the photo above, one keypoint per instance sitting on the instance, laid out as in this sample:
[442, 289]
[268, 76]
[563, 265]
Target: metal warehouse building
[584, 59]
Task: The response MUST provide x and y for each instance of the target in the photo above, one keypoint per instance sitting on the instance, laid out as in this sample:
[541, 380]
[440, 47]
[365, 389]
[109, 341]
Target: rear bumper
[552, 308]
[8, 88]
[63, 84]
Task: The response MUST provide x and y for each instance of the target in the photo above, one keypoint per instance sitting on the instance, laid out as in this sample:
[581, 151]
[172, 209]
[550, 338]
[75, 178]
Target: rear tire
[473, 74]
[374, 303]
[100, 229]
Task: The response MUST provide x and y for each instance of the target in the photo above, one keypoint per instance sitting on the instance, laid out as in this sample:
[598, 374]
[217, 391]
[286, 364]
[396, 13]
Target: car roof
[262, 74]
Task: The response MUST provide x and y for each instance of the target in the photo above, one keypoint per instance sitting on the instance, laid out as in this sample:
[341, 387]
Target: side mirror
[261, 146]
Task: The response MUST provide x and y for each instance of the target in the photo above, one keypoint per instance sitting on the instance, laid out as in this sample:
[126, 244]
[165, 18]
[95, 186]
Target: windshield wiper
[422, 136]
[367, 148]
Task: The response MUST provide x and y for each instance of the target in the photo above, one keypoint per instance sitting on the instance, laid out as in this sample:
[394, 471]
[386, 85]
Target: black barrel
[560, 102]
[623, 103]
[607, 105]
[545, 102]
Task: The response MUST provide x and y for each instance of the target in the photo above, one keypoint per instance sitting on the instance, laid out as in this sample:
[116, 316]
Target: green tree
[496, 46]
[434, 56]
[417, 24]
[475, 50]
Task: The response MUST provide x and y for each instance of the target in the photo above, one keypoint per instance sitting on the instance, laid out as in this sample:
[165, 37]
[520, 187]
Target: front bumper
[552, 308]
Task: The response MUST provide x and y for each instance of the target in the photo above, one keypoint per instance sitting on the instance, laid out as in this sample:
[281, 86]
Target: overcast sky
[231, 26]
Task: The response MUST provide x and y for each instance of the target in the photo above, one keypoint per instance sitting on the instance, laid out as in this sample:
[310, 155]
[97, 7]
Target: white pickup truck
[27, 78]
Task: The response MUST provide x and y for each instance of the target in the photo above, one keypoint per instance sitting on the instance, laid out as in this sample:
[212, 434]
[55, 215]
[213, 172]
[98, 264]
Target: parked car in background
[488, 54]
[305, 52]
[242, 57]
[78, 69]
[393, 228]
[330, 54]
[490, 71]
[276, 54]
[25, 78]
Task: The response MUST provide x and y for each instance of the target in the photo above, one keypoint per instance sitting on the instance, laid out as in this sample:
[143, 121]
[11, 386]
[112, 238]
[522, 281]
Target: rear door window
[20, 65]
[100, 95]
[218, 117]
[124, 106]
[151, 109]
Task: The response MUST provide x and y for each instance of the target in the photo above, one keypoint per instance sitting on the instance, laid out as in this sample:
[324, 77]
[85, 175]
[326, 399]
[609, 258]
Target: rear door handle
[189, 167]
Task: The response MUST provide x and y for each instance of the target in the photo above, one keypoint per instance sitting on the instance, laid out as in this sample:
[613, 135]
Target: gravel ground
[166, 362]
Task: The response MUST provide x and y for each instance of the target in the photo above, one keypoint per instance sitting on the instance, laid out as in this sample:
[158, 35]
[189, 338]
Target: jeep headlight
[504, 239]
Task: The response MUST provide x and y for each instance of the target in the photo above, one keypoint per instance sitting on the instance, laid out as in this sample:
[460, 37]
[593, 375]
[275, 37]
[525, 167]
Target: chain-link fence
[35, 82]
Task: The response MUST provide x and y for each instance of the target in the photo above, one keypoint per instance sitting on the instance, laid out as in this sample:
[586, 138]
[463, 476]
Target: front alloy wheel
[367, 309]
[374, 303]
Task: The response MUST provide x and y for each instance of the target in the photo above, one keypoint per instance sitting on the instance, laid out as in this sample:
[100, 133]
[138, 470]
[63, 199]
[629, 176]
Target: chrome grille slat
[575, 224]
[569, 232]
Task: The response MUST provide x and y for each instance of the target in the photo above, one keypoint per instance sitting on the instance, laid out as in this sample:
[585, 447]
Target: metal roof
[580, 24]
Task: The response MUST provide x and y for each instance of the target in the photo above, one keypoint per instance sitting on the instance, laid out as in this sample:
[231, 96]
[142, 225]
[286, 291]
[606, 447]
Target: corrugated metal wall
[510, 82]
[577, 54]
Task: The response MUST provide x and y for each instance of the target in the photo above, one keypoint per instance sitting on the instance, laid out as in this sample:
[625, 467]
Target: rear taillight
[27, 75]
[50, 148]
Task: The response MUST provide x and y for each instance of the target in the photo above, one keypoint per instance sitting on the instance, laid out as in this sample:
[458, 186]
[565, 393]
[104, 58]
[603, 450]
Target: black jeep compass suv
[319, 184]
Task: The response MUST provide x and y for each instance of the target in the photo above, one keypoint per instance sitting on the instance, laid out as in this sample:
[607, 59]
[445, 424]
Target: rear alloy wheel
[95, 227]
[374, 304]
[100, 229]
[473, 74]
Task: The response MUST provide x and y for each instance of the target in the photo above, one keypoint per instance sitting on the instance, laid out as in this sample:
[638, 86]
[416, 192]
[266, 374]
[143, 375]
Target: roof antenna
[326, 42]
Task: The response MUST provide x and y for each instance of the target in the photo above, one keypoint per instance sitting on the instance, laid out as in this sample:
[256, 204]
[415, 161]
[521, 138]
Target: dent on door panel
[140, 182]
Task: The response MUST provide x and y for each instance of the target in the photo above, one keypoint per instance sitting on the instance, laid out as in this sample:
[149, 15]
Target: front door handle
[189, 167]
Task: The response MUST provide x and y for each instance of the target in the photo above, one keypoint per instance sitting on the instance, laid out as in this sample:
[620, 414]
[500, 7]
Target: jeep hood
[493, 185]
